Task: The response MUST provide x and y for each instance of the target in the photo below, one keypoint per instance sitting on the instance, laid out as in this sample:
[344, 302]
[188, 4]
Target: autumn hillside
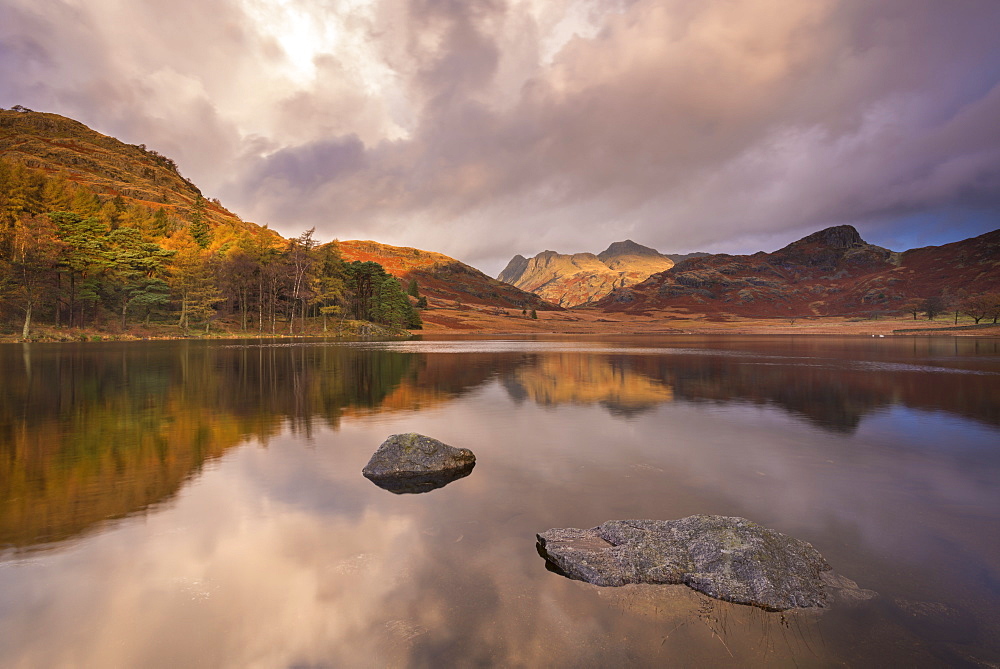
[99, 237]
[443, 279]
[116, 173]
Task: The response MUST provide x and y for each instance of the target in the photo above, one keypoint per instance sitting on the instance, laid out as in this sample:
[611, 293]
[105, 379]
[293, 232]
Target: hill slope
[441, 278]
[103, 176]
[831, 272]
[107, 167]
[580, 278]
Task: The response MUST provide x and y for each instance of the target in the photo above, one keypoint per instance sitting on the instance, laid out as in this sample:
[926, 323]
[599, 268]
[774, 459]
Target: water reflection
[419, 483]
[279, 553]
[92, 432]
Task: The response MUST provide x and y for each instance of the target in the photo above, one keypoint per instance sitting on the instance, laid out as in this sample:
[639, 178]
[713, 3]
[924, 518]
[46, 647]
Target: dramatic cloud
[484, 129]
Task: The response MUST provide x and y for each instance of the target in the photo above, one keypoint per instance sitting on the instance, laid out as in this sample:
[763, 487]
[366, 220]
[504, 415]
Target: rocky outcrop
[412, 463]
[581, 278]
[729, 558]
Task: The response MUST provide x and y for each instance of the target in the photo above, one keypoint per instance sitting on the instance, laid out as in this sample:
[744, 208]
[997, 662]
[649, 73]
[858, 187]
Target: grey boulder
[413, 463]
[729, 558]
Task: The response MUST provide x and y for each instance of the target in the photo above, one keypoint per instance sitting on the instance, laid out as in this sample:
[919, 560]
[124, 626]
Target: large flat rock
[412, 463]
[729, 558]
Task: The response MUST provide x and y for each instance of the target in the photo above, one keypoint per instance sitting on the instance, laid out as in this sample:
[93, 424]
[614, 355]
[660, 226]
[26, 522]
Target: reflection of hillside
[93, 432]
[831, 393]
[576, 378]
[436, 378]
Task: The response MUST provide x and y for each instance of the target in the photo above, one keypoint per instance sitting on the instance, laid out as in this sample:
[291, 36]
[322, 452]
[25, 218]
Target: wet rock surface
[729, 558]
[414, 463]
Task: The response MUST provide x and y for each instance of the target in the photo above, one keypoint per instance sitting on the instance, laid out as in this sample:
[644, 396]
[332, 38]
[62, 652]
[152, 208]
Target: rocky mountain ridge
[571, 280]
[830, 272]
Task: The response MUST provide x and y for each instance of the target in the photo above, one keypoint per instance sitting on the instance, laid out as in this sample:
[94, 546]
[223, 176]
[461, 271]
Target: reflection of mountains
[830, 393]
[576, 378]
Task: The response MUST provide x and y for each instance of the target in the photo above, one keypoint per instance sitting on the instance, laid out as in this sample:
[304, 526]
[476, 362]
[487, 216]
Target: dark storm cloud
[486, 129]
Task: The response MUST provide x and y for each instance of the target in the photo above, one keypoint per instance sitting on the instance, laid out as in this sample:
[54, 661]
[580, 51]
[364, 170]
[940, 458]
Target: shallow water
[169, 504]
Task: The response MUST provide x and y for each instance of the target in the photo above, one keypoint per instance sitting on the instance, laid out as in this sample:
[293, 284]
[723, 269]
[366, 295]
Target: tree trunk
[27, 322]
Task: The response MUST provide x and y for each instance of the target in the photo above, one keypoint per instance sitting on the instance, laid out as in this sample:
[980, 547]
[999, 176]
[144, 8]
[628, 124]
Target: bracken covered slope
[442, 278]
[831, 272]
[105, 165]
[581, 278]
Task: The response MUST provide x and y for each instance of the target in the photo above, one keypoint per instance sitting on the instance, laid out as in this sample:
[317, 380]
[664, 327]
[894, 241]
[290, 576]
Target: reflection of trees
[93, 432]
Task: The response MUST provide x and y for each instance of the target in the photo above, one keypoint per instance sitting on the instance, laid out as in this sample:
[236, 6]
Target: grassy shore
[477, 319]
[347, 329]
[472, 319]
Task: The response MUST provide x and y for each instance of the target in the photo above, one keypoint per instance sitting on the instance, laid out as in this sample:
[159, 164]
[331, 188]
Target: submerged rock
[731, 559]
[412, 463]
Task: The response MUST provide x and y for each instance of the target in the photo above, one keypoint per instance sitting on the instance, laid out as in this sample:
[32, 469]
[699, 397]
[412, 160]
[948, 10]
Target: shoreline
[475, 322]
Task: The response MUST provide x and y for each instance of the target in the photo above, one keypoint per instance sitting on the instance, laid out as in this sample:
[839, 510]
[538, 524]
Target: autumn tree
[978, 307]
[29, 258]
[932, 306]
[240, 270]
[913, 307]
[301, 260]
[192, 281]
[994, 312]
[329, 286]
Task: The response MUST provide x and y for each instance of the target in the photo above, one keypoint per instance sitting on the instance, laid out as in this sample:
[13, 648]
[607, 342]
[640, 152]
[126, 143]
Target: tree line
[69, 258]
[976, 306]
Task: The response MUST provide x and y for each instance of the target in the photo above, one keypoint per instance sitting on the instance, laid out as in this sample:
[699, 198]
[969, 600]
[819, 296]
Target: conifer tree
[199, 223]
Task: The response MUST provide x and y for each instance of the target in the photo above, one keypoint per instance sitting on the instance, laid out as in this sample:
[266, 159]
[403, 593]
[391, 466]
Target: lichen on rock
[729, 558]
[412, 463]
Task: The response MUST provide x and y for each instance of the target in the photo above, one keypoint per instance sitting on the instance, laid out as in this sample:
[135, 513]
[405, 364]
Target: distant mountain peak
[573, 279]
[514, 269]
[836, 237]
[626, 248]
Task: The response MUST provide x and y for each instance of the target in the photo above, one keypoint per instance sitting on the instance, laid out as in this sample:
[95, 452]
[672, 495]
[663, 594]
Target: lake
[201, 504]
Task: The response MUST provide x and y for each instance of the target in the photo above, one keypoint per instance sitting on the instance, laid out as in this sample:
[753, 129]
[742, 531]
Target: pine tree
[199, 224]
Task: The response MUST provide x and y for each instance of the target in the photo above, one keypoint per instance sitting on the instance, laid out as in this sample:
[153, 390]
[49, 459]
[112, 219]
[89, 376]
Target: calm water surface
[201, 503]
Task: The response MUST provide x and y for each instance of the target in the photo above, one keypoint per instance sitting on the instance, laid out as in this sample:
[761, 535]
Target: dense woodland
[70, 258]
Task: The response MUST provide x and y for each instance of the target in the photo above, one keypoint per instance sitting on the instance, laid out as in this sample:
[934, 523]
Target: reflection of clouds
[284, 555]
[227, 577]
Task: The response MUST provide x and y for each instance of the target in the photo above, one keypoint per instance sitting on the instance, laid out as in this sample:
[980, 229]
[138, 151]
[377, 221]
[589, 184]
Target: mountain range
[831, 272]
[576, 279]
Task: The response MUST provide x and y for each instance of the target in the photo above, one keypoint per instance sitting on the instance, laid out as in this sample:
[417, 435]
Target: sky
[487, 128]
